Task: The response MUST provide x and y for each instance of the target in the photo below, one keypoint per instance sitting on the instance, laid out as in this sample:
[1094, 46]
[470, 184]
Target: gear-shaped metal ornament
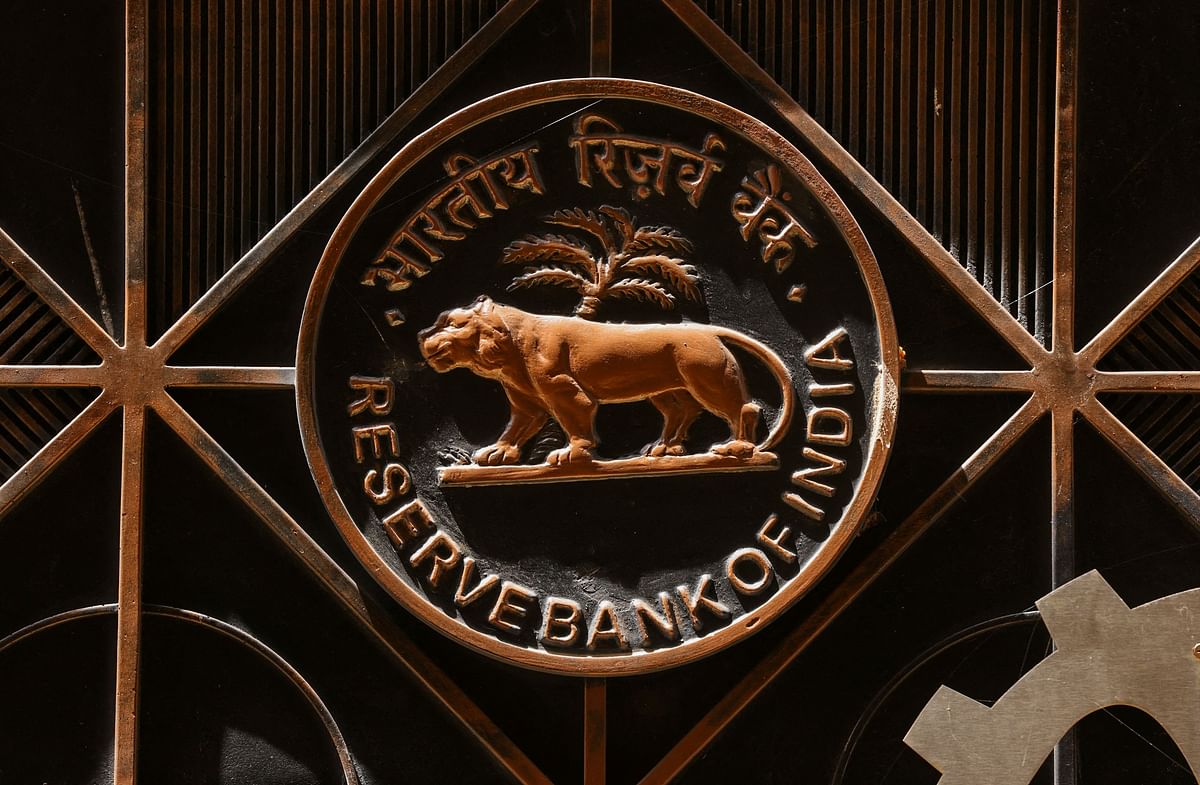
[1107, 655]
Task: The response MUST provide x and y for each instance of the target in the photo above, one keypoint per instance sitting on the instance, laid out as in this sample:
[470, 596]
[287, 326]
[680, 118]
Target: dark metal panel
[945, 87]
[256, 68]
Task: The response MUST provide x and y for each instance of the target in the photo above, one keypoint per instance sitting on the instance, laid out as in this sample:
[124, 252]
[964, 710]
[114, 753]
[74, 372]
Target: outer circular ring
[882, 408]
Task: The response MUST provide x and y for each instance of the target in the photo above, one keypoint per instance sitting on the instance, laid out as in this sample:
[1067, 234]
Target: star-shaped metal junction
[135, 376]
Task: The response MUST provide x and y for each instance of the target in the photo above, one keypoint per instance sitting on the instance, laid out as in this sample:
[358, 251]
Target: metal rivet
[1196, 650]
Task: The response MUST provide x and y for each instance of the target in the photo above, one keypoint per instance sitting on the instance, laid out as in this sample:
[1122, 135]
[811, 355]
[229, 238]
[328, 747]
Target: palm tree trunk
[587, 307]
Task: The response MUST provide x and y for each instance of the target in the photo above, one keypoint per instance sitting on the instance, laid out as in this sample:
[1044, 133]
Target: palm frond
[641, 290]
[649, 238]
[680, 276]
[586, 220]
[551, 276]
[550, 248]
[623, 221]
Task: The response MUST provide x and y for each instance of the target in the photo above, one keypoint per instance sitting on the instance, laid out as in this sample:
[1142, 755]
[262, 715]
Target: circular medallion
[597, 376]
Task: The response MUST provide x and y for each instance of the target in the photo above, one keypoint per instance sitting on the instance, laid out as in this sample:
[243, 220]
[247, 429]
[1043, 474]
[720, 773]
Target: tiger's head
[474, 338]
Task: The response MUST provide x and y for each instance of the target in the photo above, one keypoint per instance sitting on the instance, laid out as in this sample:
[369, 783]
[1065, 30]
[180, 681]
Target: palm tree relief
[643, 264]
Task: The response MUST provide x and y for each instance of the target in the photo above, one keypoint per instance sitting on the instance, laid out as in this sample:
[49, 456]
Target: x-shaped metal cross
[135, 375]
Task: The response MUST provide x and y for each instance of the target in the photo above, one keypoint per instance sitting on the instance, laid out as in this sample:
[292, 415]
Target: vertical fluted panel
[948, 103]
[255, 101]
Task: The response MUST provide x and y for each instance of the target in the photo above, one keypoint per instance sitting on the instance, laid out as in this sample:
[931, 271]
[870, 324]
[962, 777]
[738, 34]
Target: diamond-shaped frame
[134, 376]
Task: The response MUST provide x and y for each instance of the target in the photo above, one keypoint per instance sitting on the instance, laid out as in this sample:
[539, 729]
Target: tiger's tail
[782, 376]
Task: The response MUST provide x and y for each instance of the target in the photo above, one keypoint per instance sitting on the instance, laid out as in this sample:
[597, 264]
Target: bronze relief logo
[597, 375]
[564, 367]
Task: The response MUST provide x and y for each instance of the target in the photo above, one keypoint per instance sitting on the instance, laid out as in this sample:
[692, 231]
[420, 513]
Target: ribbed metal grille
[1169, 425]
[948, 103]
[32, 333]
[255, 102]
[1167, 339]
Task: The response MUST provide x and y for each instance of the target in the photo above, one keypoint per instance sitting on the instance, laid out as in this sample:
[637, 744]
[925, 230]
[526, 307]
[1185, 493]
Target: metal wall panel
[179, 606]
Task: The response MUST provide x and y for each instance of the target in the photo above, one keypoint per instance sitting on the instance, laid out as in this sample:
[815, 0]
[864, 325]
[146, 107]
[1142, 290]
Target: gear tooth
[1107, 654]
[936, 735]
[1073, 611]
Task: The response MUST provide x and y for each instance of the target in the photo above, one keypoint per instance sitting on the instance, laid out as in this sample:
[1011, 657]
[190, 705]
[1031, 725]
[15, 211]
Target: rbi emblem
[597, 376]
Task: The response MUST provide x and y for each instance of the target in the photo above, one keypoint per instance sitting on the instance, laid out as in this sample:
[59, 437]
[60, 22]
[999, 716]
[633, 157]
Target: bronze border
[883, 406]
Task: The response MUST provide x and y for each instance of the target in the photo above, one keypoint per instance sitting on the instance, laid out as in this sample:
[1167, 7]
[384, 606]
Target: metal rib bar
[1063, 291]
[129, 592]
[372, 618]
[595, 729]
[227, 377]
[1062, 441]
[843, 595]
[220, 293]
[129, 597]
[1149, 465]
[136, 151]
[938, 381]
[1162, 286]
[53, 375]
[1062, 484]
[954, 274]
[1147, 381]
[53, 295]
[38, 467]
[601, 38]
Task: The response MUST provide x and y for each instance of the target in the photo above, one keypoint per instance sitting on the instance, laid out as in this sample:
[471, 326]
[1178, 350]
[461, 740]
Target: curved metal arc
[41, 625]
[280, 664]
[228, 630]
[901, 676]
